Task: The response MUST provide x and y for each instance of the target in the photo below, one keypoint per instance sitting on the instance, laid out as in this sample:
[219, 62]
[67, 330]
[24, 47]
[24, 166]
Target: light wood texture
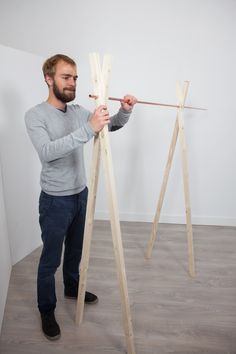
[172, 313]
[100, 78]
[178, 129]
[150, 103]
[163, 190]
[100, 83]
[183, 147]
[88, 230]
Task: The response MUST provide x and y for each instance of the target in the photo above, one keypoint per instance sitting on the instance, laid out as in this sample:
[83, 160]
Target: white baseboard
[171, 219]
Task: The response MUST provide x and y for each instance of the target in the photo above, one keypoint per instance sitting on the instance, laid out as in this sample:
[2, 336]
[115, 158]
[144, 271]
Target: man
[58, 132]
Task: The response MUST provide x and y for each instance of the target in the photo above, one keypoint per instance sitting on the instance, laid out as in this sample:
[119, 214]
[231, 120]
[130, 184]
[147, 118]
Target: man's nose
[72, 81]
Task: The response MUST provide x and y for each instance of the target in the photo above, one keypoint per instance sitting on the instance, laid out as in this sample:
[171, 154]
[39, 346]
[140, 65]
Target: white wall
[5, 256]
[20, 168]
[21, 87]
[154, 44]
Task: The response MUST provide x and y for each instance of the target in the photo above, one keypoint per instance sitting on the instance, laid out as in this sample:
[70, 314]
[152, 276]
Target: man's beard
[64, 96]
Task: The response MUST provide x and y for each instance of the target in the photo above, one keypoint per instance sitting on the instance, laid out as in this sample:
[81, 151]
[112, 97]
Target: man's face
[64, 82]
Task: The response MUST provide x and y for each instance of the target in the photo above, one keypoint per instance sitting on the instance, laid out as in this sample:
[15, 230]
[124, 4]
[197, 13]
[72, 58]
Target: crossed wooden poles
[178, 130]
[100, 79]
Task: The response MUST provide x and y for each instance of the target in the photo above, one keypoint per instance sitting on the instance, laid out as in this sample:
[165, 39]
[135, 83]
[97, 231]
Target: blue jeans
[62, 220]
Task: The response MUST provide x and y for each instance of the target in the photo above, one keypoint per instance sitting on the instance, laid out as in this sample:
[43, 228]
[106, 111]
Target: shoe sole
[92, 303]
[53, 338]
[75, 298]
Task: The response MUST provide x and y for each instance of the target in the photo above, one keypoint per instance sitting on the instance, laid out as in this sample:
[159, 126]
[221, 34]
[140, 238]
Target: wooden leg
[181, 94]
[96, 78]
[186, 183]
[88, 229]
[179, 129]
[117, 241]
[100, 79]
[163, 190]
[187, 196]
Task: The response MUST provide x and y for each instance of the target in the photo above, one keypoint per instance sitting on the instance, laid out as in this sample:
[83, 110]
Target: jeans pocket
[45, 202]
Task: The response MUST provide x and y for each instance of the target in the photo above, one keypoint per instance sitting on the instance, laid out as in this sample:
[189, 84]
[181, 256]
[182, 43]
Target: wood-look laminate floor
[171, 312]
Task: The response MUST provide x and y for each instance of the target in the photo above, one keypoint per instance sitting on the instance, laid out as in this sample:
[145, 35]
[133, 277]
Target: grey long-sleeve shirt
[58, 138]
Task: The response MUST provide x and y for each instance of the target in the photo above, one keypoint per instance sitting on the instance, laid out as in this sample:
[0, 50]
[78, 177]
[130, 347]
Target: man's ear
[49, 80]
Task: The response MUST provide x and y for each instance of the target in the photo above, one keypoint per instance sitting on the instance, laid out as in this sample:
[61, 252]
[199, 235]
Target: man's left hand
[128, 102]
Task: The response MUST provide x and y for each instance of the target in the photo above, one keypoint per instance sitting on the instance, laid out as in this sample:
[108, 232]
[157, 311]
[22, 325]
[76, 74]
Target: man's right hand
[100, 118]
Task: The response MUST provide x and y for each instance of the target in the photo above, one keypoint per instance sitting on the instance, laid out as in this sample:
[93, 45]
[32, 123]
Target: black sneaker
[89, 297]
[50, 326]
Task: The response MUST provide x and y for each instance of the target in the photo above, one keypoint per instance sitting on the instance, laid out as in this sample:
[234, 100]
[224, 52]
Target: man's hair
[49, 66]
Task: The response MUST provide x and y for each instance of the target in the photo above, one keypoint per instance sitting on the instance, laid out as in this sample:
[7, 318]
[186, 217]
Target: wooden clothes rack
[178, 130]
[100, 78]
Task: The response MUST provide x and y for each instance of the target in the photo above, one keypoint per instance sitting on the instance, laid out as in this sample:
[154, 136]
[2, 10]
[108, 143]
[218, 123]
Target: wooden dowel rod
[150, 103]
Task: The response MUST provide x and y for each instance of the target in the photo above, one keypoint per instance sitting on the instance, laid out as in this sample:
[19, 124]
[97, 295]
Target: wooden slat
[96, 79]
[100, 78]
[88, 230]
[115, 224]
[178, 129]
[183, 147]
[163, 190]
